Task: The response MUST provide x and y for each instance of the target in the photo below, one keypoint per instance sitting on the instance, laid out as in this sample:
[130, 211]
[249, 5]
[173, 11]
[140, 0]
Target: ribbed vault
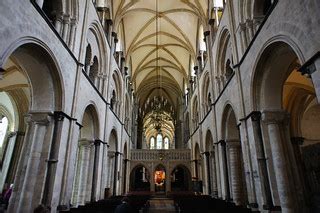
[160, 39]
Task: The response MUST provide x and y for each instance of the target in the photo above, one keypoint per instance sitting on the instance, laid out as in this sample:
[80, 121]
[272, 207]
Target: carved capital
[85, 142]
[275, 117]
[40, 118]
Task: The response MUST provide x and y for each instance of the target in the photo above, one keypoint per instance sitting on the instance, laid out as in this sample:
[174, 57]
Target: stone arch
[116, 95]
[27, 50]
[183, 181]
[144, 178]
[291, 95]
[282, 55]
[42, 95]
[84, 181]
[233, 161]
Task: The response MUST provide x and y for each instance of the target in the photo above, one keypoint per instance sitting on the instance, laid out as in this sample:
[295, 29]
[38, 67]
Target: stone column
[67, 188]
[125, 164]
[261, 159]
[58, 23]
[108, 29]
[114, 42]
[65, 28]
[250, 31]
[111, 160]
[296, 143]
[38, 123]
[115, 174]
[53, 159]
[17, 151]
[207, 156]
[273, 120]
[95, 170]
[84, 154]
[243, 36]
[225, 174]
[214, 173]
[73, 25]
[234, 149]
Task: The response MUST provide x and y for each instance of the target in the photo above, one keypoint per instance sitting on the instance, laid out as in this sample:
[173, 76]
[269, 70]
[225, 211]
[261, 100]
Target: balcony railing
[154, 155]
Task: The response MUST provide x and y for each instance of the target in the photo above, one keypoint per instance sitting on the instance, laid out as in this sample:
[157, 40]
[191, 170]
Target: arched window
[152, 143]
[159, 141]
[166, 143]
[3, 129]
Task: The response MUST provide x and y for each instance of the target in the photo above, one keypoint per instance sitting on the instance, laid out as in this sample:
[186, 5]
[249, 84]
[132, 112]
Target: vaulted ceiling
[159, 42]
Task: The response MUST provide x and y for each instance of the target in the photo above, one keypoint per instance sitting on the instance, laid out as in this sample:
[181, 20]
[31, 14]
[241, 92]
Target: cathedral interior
[215, 100]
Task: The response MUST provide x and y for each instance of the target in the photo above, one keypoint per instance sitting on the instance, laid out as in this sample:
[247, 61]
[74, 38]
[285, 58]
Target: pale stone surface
[56, 69]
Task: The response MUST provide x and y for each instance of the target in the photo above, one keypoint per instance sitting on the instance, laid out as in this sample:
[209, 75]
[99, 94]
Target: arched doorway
[31, 89]
[160, 179]
[140, 179]
[289, 109]
[180, 179]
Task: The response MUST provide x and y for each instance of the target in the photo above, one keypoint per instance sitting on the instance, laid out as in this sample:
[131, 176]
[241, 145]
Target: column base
[62, 208]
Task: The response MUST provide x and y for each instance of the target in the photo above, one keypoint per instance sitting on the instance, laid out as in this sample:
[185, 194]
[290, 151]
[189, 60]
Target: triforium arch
[287, 101]
[206, 93]
[95, 62]
[116, 92]
[84, 187]
[233, 160]
[140, 178]
[27, 63]
[224, 60]
[64, 16]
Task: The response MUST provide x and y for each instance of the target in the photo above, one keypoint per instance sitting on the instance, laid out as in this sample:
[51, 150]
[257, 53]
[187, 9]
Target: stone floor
[161, 205]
